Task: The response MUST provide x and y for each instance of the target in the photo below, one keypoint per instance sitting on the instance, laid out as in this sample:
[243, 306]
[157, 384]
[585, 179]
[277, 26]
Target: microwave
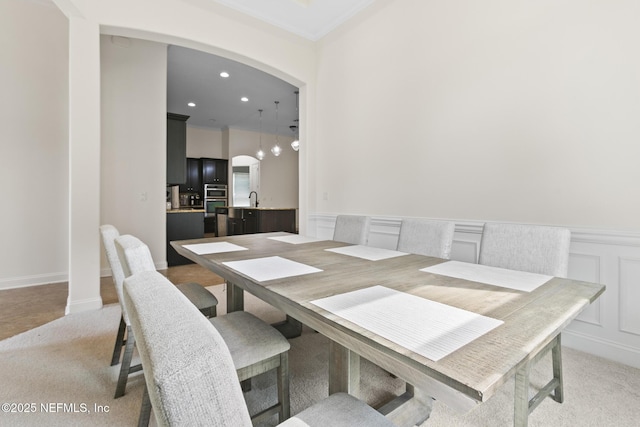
[215, 191]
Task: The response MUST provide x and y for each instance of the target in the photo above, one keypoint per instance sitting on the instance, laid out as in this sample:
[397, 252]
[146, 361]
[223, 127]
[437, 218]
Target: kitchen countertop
[201, 210]
[185, 210]
[263, 209]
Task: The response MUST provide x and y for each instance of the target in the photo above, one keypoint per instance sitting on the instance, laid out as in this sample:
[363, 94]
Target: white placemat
[213, 248]
[512, 279]
[296, 239]
[426, 327]
[367, 252]
[270, 268]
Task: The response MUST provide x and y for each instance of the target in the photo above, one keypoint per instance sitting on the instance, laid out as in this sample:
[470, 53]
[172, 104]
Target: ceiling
[194, 76]
[311, 19]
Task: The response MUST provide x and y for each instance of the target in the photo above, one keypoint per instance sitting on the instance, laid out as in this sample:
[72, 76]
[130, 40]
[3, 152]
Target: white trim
[106, 272]
[602, 347]
[578, 234]
[83, 305]
[35, 280]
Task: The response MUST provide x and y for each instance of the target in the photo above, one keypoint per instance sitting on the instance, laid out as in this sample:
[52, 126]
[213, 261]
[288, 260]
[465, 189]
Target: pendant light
[295, 144]
[276, 150]
[296, 139]
[260, 154]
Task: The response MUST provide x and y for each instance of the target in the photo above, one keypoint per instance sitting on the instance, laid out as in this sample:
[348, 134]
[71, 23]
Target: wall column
[84, 165]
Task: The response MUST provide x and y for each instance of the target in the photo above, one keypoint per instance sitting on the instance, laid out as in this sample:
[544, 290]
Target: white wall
[472, 111]
[34, 165]
[202, 142]
[499, 110]
[133, 146]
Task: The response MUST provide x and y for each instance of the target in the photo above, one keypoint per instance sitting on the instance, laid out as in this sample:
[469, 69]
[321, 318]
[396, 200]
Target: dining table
[453, 331]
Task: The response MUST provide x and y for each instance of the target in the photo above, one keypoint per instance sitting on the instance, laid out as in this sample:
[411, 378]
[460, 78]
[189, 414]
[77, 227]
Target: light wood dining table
[464, 378]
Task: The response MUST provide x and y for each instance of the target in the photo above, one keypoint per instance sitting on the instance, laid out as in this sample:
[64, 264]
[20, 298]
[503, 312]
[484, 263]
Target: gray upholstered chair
[426, 237]
[198, 295]
[352, 229]
[190, 373]
[532, 248]
[255, 346]
[536, 249]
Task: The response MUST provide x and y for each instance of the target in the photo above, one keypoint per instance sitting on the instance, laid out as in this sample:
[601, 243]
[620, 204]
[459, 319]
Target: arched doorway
[245, 179]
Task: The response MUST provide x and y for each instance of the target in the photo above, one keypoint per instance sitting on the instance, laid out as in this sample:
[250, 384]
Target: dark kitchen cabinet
[250, 217]
[277, 220]
[252, 220]
[182, 226]
[215, 171]
[209, 224]
[176, 149]
[242, 221]
[194, 177]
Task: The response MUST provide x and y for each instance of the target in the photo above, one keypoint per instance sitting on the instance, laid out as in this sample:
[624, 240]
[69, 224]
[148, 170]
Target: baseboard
[35, 280]
[83, 305]
[106, 272]
[602, 348]
[47, 279]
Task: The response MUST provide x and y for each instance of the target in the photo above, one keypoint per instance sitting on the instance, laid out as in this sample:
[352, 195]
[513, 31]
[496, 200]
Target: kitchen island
[247, 220]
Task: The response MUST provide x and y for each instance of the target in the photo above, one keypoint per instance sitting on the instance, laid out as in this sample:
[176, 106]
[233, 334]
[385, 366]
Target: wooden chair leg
[145, 409]
[117, 349]
[126, 363]
[283, 387]
[556, 357]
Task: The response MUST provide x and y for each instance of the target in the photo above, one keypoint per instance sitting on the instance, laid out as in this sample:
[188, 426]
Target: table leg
[409, 409]
[521, 407]
[235, 298]
[290, 327]
[344, 370]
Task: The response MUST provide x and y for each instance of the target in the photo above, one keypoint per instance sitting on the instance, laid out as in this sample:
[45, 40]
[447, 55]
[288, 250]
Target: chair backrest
[134, 255]
[537, 249]
[109, 234]
[190, 376]
[426, 237]
[352, 229]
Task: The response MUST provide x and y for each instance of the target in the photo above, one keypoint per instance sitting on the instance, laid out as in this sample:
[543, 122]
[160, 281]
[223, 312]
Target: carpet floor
[59, 375]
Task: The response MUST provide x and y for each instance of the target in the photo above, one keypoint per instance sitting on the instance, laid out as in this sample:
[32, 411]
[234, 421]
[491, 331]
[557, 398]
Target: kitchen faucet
[253, 192]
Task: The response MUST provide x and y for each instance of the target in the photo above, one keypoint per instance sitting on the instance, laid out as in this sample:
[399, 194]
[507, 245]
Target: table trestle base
[554, 388]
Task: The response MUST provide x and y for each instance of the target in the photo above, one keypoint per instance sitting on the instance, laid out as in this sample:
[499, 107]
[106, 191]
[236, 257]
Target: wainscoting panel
[630, 296]
[609, 327]
[587, 268]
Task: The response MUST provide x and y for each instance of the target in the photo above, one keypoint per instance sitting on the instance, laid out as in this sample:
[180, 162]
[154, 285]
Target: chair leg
[145, 409]
[210, 311]
[115, 359]
[556, 357]
[283, 387]
[126, 363]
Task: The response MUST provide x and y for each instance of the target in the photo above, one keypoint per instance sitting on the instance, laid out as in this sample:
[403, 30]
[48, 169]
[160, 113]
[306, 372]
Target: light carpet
[59, 375]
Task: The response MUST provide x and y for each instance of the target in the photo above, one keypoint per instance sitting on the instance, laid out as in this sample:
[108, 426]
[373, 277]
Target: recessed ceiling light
[244, 99]
[191, 104]
[224, 74]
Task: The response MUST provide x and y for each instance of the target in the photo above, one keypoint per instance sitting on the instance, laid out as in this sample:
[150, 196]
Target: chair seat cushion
[339, 410]
[250, 340]
[198, 295]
